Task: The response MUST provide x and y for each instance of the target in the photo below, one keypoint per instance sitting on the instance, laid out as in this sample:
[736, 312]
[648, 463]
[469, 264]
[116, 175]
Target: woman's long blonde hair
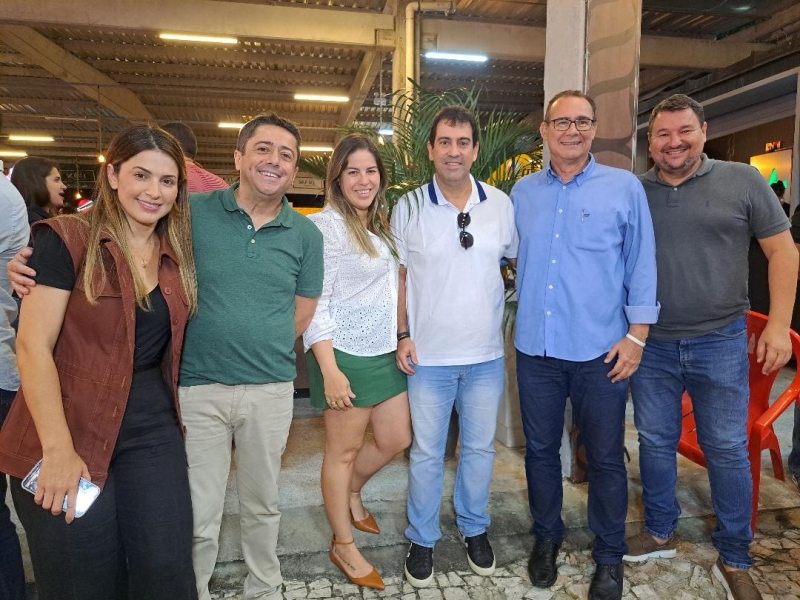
[378, 213]
[107, 218]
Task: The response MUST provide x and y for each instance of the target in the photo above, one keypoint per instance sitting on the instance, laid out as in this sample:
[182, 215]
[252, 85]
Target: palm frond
[508, 150]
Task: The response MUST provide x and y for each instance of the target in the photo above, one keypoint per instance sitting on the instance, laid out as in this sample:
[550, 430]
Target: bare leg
[391, 433]
[344, 437]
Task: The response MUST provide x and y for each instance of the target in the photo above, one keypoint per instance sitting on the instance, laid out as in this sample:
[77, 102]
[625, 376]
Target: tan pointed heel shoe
[367, 525]
[370, 580]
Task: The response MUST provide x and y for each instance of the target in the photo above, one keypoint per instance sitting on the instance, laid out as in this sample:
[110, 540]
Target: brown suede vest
[94, 357]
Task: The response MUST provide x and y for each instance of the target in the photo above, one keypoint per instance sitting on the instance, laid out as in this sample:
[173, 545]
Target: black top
[53, 265]
[37, 213]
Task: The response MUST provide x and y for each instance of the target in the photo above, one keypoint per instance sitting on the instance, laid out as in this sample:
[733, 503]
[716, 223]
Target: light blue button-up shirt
[587, 263]
[14, 234]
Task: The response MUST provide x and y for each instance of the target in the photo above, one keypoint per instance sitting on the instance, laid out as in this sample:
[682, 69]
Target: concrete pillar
[399, 56]
[613, 31]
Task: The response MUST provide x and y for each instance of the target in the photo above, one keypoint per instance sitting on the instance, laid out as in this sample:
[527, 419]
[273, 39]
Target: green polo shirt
[247, 279]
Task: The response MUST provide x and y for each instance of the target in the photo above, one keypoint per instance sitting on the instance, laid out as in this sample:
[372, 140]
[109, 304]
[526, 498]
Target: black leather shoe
[542, 564]
[607, 583]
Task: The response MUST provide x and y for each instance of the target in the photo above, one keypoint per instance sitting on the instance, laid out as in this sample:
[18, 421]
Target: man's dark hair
[778, 188]
[268, 119]
[454, 115]
[676, 103]
[185, 136]
[570, 94]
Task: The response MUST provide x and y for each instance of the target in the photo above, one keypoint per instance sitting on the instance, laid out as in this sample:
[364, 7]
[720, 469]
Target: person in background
[39, 182]
[14, 234]
[352, 370]
[99, 347]
[780, 190]
[794, 455]
[199, 180]
[704, 213]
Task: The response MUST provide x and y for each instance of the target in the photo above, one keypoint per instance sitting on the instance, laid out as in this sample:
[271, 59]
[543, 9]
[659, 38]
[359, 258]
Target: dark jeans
[599, 411]
[12, 576]
[136, 539]
[794, 456]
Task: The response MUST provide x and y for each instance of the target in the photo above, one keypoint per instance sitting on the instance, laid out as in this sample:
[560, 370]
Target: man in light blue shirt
[587, 294]
[14, 233]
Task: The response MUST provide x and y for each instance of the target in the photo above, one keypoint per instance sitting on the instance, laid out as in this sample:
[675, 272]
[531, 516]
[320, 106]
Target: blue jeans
[599, 411]
[12, 576]
[794, 456]
[714, 370]
[476, 391]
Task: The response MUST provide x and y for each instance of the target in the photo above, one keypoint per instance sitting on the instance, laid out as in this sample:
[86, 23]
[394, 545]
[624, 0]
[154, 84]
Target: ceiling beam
[194, 55]
[300, 24]
[74, 71]
[526, 43]
[206, 72]
[776, 27]
[362, 83]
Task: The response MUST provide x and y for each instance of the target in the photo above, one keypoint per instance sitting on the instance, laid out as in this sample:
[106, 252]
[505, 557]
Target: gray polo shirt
[703, 228]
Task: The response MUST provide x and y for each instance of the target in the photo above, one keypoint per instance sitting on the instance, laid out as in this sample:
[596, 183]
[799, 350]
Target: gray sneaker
[642, 546]
[795, 479]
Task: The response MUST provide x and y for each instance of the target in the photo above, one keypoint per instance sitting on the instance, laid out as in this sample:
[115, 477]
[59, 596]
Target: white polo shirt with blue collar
[455, 296]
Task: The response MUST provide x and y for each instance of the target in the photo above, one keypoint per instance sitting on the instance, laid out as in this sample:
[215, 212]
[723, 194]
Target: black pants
[12, 576]
[136, 539]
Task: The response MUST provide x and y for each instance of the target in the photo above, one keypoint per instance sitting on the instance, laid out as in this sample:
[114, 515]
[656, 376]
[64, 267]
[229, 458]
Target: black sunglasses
[465, 237]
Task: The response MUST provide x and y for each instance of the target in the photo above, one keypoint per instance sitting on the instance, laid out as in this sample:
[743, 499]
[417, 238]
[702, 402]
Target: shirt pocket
[594, 229]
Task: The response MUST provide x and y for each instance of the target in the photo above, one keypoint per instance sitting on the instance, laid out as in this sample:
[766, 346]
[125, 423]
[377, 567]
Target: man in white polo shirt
[451, 236]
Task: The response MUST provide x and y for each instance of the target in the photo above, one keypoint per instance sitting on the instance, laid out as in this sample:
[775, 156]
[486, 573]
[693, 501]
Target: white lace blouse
[357, 310]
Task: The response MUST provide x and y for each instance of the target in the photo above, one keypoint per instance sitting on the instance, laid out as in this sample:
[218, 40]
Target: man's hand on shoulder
[19, 274]
[774, 347]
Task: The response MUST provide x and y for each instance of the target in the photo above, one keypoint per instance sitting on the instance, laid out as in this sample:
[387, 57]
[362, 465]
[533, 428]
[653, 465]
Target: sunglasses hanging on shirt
[465, 237]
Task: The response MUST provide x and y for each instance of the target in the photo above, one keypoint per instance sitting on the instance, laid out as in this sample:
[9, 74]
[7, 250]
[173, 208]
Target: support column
[614, 30]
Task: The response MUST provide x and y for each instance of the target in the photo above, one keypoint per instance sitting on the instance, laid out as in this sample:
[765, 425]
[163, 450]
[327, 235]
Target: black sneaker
[607, 583]
[479, 553]
[419, 566]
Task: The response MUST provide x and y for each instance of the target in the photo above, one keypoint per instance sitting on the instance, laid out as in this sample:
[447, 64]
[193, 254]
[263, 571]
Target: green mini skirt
[373, 379]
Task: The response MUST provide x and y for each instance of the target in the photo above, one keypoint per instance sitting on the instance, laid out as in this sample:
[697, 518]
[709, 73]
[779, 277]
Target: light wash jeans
[476, 391]
[714, 370]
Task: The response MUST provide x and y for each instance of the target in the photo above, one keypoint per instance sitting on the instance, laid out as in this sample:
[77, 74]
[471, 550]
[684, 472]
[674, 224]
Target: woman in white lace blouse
[352, 340]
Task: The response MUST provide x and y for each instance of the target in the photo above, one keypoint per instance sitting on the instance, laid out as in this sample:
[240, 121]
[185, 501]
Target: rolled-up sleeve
[639, 250]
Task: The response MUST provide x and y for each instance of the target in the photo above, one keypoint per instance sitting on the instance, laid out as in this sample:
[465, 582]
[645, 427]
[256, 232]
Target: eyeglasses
[564, 124]
[465, 237]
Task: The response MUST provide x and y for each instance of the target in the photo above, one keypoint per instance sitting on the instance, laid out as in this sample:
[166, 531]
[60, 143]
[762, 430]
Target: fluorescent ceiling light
[454, 56]
[31, 138]
[13, 153]
[224, 125]
[321, 98]
[316, 149]
[198, 38]
[386, 131]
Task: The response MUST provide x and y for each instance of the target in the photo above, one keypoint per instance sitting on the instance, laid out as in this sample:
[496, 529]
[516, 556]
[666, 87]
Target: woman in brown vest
[98, 349]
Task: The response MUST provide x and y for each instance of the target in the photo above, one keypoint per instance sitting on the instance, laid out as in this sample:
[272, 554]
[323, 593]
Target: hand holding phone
[86, 494]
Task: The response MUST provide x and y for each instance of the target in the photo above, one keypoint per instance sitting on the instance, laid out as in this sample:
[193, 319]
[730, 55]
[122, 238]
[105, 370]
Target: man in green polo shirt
[259, 274]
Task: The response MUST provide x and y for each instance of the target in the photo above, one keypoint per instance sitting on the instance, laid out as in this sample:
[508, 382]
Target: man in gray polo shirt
[704, 212]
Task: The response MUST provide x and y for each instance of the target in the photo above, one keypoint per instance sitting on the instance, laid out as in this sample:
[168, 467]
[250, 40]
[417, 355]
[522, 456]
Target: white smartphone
[87, 491]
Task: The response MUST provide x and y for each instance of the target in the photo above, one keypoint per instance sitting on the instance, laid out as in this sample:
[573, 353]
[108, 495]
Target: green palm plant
[508, 147]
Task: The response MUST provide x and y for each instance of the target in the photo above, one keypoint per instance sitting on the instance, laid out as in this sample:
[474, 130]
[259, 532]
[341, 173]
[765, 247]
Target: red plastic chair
[760, 434]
